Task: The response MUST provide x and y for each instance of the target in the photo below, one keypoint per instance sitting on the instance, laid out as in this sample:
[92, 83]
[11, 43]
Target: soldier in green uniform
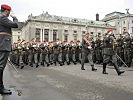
[87, 52]
[109, 53]
[127, 50]
[119, 49]
[98, 50]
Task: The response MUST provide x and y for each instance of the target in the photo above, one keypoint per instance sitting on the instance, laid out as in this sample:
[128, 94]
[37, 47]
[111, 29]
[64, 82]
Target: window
[37, 34]
[18, 37]
[91, 32]
[65, 31]
[123, 22]
[46, 34]
[66, 38]
[54, 35]
[83, 32]
[75, 38]
[124, 29]
[75, 31]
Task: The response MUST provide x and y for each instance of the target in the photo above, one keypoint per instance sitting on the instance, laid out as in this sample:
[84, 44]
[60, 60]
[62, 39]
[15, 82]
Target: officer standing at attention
[87, 52]
[5, 41]
[109, 53]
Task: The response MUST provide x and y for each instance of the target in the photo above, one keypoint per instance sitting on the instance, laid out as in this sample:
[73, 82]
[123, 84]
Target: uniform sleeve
[8, 23]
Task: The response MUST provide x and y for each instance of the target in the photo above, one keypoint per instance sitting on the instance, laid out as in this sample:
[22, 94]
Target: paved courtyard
[68, 83]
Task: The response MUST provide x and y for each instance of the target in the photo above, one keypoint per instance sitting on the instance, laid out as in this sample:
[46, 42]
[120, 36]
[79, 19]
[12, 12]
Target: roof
[46, 16]
[114, 14]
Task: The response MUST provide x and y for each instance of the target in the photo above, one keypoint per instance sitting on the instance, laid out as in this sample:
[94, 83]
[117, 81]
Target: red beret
[7, 7]
[110, 30]
[78, 41]
[71, 41]
[64, 41]
[57, 39]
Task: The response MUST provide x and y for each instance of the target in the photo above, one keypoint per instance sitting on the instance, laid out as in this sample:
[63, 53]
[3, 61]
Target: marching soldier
[44, 53]
[98, 50]
[56, 53]
[26, 53]
[71, 53]
[78, 51]
[87, 52]
[119, 49]
[32, 53]
[109, 53]
[64, 51]
[127, 50]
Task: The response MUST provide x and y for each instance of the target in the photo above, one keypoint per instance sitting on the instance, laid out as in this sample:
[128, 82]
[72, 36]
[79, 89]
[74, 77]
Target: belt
[1, 33]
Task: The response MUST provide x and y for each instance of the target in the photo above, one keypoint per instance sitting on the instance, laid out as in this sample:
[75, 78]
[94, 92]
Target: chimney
[97, 17]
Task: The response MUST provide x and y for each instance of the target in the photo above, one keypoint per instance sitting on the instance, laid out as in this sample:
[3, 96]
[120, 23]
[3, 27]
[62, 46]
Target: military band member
[120, 49]
[98, 50]
[127, 50]
[109, 53]
[78, 52]
[87, 51]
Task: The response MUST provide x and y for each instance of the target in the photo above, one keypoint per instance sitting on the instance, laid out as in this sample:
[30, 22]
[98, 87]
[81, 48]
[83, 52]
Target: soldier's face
[7, 12]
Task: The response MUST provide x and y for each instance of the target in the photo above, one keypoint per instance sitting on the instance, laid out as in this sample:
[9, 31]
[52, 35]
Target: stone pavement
[67, 79]
[125, 81]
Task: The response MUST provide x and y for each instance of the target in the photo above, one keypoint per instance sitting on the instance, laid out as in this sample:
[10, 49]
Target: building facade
[121, 21]
[50, 27]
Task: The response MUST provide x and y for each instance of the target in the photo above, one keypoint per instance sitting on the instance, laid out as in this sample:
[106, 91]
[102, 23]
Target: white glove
[89, 47]
[12, 14]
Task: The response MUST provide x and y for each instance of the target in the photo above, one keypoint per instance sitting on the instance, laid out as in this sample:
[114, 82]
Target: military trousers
[3, 59]
[89, 56]
[109, 58]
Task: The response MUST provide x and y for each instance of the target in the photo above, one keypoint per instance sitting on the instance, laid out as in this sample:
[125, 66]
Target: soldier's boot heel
[5, 92]
[119, 72]
[22, 67]
[82, 67]
[37, 65]
[104, 68]
[92, 68]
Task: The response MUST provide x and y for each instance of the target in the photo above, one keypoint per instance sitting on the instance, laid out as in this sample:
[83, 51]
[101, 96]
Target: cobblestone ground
[68, 83]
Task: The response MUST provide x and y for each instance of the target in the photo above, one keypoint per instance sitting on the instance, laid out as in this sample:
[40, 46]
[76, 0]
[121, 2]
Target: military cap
[5, 6]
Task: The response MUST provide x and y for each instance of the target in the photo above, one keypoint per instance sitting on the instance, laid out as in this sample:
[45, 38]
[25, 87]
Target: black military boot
[82, 67]
[37, 65]
[92, 68]
[55, 63]
[2, 89]
[104, 68]
[119, 72]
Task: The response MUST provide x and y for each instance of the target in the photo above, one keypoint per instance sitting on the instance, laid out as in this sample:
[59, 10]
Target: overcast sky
[71, 8]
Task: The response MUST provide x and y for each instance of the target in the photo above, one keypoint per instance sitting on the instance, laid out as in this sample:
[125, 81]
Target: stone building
[17, 32]
[121, 21]
[50, 27]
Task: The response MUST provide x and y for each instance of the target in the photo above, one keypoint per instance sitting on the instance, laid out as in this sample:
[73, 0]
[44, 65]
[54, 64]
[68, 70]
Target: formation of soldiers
[47, 53]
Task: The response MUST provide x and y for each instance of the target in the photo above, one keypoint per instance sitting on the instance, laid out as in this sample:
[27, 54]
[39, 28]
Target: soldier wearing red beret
[5, 41]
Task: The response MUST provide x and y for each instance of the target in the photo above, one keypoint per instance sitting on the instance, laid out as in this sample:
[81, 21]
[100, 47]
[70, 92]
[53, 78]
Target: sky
[85, 9]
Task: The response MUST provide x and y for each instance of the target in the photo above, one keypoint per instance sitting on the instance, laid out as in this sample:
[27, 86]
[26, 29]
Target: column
[50, 35]
[41, 35]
